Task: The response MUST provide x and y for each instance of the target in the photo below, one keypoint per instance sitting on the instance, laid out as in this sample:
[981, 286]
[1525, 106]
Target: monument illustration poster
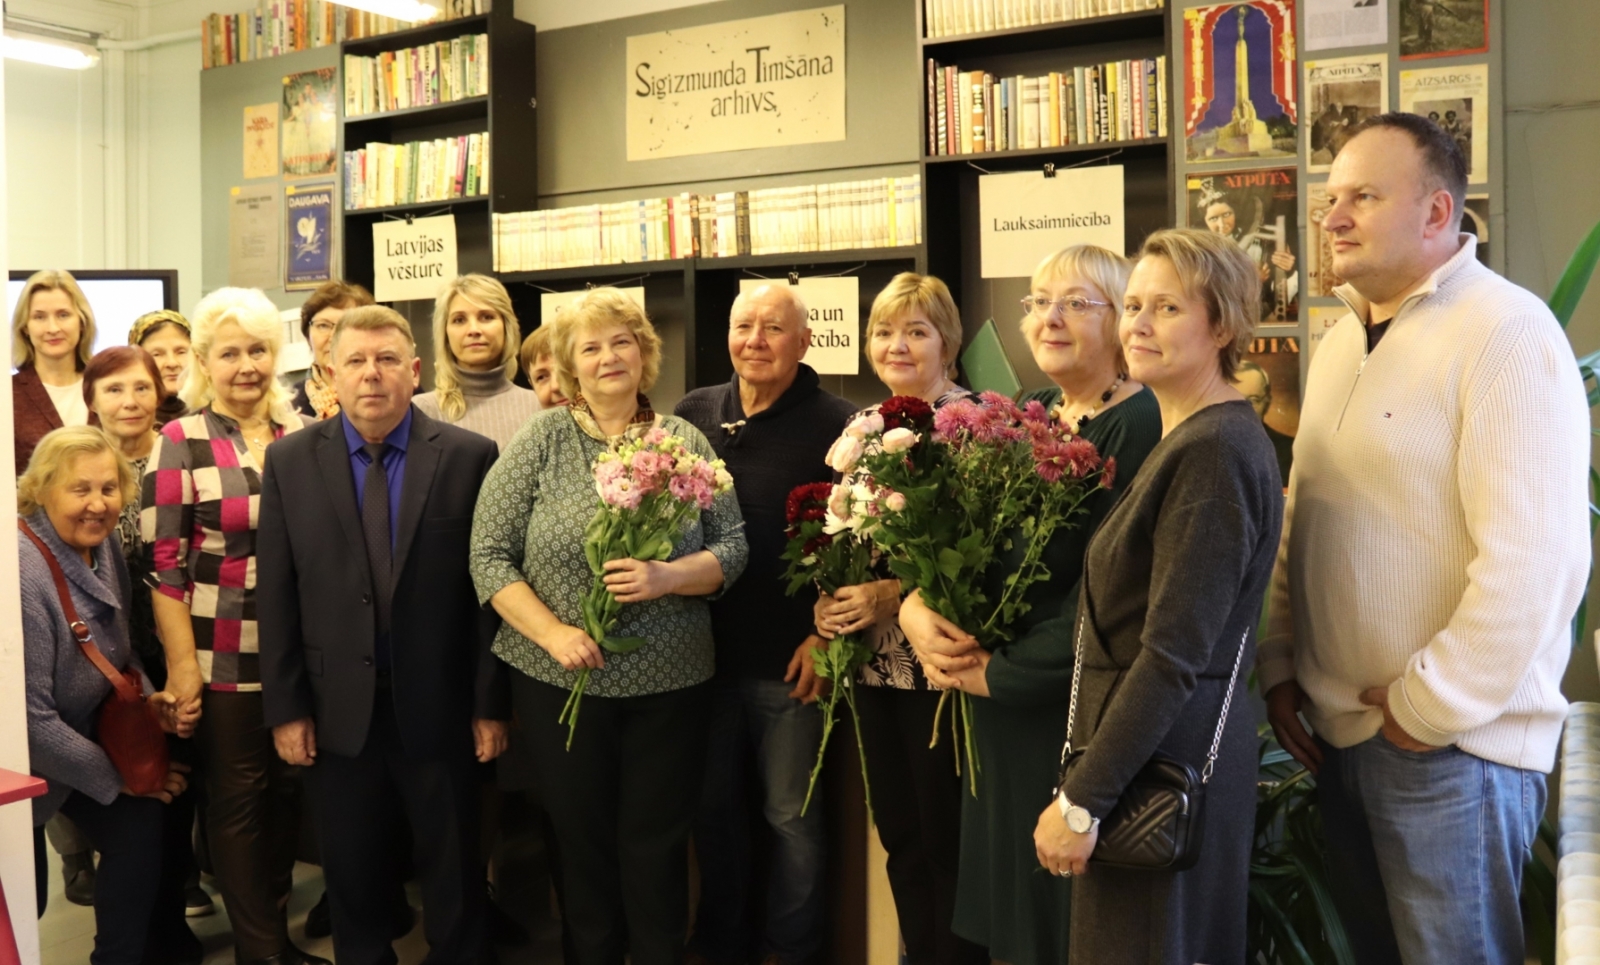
[1239, 92]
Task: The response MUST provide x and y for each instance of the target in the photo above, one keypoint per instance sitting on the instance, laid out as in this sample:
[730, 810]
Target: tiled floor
[66, 932]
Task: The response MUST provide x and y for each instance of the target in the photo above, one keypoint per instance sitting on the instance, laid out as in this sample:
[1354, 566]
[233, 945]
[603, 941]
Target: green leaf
[950, 562]
[621, 644]
[1564, 298]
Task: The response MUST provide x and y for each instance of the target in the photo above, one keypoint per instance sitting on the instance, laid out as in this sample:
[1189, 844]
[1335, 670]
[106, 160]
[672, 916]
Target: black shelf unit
[950, 181]
[508, 113]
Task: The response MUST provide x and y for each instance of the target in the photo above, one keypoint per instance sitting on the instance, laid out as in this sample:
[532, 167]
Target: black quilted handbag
[1158, 822]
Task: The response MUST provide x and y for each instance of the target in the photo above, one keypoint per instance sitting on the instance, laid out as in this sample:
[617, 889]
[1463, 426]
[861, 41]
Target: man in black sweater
[772, 424]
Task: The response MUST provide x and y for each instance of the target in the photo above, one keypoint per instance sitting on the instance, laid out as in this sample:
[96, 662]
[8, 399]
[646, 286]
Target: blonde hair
[252, 311]
[1102, 268]
[910, 292]
[56, 453]
[489, 293]
[372, 318]
[1215, 269]
[536, 344]
[50, 280]
[596, 307]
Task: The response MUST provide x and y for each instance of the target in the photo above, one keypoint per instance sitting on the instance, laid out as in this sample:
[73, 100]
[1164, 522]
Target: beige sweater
[1435, 537]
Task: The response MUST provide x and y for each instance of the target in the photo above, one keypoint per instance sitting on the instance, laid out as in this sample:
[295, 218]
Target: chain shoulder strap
[1216, 739]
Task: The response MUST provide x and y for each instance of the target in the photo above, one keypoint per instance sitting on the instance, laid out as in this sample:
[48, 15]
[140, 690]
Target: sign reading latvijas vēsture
[763, 82]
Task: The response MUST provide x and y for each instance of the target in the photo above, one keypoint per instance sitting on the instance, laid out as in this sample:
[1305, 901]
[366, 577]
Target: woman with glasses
[315, 396]
[1003, 901]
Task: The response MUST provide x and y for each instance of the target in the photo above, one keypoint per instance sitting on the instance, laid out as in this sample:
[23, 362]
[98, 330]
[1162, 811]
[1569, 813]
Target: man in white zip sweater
[1435, 547]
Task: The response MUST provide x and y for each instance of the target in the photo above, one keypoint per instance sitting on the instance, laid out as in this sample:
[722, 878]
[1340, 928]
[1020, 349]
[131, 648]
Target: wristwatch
[1079, 820]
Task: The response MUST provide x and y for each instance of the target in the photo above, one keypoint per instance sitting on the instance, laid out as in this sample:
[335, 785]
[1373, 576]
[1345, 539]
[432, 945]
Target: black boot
[77, 872]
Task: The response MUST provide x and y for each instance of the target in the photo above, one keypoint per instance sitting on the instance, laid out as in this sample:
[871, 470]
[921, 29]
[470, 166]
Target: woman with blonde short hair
[622, 798]
[201, 494]
[52, 337]
[1171, 593]
[475, 341]
[1021, 688]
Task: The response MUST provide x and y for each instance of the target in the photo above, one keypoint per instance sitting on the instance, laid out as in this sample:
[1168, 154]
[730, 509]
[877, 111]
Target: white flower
[844, 454]
[899, 440]
[895, 502]
[867, 425]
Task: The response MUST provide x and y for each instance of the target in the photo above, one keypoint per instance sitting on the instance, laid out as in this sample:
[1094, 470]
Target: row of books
[275, 27]
[417, 76]
[949, 18]
[973, 112]
[383, 175]
[876, 213]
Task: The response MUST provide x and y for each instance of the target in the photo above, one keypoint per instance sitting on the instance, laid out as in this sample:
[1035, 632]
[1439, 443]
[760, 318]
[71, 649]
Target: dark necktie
[375, 522]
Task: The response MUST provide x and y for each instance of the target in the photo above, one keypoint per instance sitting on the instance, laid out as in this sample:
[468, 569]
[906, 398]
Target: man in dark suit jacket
[375, 658]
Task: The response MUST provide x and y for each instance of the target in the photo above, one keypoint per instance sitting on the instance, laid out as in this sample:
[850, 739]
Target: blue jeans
[1426, 850]
[757, 722]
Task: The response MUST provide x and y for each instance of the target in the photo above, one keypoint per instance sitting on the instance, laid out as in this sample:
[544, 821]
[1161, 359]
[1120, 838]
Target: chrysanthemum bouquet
[826, 548]
[952, 490]
[652, 488]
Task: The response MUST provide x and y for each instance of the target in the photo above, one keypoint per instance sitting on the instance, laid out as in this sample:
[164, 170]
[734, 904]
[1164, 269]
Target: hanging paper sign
[552, 302]
[261, 141]
[1026, 215]
[309, 239]
[833, 311]
[762, 82]
[413, 259]
[253, 237]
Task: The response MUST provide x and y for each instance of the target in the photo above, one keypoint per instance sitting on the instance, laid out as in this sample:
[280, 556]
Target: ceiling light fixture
[408, 10]
[46, 52]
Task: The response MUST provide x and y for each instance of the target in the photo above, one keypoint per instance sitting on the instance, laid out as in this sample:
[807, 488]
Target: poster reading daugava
[763, 82]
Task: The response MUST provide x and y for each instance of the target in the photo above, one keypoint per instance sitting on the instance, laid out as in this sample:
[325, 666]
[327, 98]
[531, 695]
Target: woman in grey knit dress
[475, 342]
[1172, 588]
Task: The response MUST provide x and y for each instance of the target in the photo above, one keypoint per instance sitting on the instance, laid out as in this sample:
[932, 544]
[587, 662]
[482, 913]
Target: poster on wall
[1259, 209]
[1443, 28]
[552, 302]
[1239, 94]
[308, 241]
[1475, 221]
[413, 259]
[310, 123]
[261, 141]
[1340, 94]
[1320, 278]
[1321, 321]
[1269, 379]
[253, 237]
[1024, 215]
[1457, 99]
[1346, 23]
[762, 82]
[833, 311]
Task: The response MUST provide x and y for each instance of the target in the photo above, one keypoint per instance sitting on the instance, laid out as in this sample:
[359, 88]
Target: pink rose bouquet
[652, 487]
[953, 489]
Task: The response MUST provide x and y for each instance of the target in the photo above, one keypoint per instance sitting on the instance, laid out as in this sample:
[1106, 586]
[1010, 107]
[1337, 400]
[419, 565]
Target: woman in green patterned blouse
[622, 799]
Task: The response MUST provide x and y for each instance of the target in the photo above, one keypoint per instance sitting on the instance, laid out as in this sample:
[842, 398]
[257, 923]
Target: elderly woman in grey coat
[70, 498]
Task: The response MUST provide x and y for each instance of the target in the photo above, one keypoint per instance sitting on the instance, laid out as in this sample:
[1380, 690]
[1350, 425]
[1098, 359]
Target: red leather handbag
[128, 729]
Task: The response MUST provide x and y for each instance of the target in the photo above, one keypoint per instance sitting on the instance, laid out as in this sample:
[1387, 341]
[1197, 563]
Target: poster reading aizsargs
[1457, 99]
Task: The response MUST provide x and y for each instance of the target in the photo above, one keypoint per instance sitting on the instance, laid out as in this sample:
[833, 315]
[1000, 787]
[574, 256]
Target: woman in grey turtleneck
[475, 340]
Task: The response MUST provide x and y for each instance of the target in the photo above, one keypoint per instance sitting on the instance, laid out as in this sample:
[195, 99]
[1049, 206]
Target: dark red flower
[906, 412]
[807, 502]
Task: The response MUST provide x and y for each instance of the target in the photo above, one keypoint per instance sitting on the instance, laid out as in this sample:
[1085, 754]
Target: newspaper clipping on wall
[1260, 210]
[1239, 93]
[253, 237]
[310, 123]
[1340, 94]
[1269, 379]
[1331, 24]
[1320, 278]
[1457, 99]
[1443, 28]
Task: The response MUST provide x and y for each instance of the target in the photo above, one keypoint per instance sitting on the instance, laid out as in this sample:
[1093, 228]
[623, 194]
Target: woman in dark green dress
[1004, 900]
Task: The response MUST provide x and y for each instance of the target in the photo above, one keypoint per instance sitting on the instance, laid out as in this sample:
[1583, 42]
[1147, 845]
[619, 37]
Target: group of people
[383, 592]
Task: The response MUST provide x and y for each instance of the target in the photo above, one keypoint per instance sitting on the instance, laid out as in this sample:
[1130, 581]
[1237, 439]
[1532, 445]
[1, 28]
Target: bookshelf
[507, 113]
[950, 181]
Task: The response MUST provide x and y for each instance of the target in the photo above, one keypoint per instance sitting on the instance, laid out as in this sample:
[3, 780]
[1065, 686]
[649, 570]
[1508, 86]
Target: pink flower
[956, 417]
[622, 494]
[868, 425]
[1108, 478]
[655, 436]
[844, 454]
[895, 502]
[899, 440]
[1000, 405]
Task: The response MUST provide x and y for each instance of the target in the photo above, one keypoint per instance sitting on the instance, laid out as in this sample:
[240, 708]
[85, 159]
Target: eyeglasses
[1076, 305]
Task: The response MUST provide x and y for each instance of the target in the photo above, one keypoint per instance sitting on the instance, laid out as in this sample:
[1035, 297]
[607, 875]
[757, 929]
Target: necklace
[1095, 409]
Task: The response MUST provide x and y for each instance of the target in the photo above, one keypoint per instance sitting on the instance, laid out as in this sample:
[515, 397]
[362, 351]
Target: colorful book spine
[954, 18]
[276, 27]
[381, 175]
